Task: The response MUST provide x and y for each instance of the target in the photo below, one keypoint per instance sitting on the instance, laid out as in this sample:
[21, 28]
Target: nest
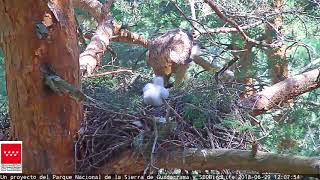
[198, 115]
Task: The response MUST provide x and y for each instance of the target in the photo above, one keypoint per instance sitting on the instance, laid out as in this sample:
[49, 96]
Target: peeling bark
[108, 30]
[229, 159]
[44, 121]
[92, 55]
[191, 159]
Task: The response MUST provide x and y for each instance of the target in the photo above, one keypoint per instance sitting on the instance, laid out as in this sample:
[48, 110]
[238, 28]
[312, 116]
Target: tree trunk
[244, 72]
[278, 64]
[46, 122]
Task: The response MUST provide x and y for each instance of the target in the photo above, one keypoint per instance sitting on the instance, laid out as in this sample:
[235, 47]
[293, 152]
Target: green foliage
[3, 91]
[235, 124]
[112, 90]
[197, 117]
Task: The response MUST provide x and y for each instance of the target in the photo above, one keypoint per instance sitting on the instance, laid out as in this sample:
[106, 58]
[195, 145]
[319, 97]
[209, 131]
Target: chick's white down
[154, 92]
[195, 51]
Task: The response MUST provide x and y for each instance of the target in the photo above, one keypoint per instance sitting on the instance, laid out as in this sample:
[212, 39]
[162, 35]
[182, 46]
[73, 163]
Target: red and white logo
[10, 153]
[11, 157]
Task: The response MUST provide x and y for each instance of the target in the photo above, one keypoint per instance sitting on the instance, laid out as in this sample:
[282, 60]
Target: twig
[174, 111]
[153, 152]
[219, 13]
[210, 137]
[222, 70]
[110, 72]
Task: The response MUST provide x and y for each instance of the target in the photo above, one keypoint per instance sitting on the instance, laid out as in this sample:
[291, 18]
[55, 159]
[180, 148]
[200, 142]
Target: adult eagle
[171, 53]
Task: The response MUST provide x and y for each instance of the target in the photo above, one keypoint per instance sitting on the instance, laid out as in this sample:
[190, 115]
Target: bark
[278, 64]
[281, 92]
[245, 74]
[92, 56]
[108, 29]
[191, 159]
[43, 120]
[126, 36]
[229, 159]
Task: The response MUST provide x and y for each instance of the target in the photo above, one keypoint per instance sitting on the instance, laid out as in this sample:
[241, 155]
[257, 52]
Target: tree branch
[219, 13]
[94, 7]
[99, 42]
[132, 38]
[107, 29]
[281, 92]
[227, 30]
[228, 75]
[111, 72]
[207, 159]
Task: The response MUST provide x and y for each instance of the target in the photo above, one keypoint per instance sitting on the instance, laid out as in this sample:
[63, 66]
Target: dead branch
[135, 134]
[111, 72]
[90, 57]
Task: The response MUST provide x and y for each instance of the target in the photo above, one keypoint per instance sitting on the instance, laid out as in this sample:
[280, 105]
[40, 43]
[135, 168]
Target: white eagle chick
[154, 92]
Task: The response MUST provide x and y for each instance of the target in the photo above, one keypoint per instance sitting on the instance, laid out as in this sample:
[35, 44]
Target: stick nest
[200, 114]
